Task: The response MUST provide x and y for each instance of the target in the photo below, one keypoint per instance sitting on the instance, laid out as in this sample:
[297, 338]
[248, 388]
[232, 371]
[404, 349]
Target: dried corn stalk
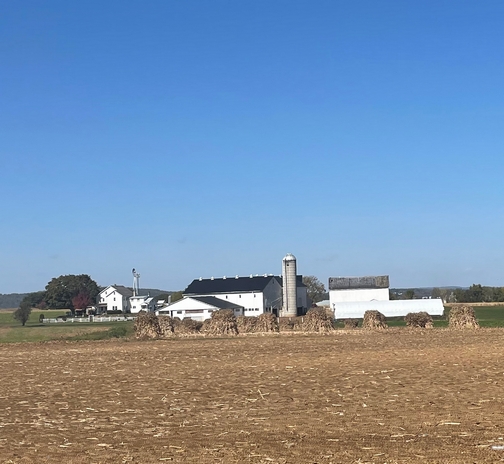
[462, 317]
[374, 320]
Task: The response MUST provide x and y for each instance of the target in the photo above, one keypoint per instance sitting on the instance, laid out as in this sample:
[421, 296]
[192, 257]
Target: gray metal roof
[345, 283]
[124, 291]
[234, 284]
[217, 302]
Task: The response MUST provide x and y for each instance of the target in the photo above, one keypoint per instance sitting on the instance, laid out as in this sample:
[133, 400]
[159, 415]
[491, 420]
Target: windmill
[136, 282]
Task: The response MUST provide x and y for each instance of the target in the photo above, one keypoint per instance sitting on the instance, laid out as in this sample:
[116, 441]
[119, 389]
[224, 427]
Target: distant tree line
[476, 293]
[11, 300]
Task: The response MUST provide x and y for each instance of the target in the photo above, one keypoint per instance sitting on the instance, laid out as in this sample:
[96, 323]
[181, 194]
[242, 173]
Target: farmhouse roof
[124, 291]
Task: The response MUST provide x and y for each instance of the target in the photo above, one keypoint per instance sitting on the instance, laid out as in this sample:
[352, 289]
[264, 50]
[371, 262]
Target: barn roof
[228, 285]
[233, 284]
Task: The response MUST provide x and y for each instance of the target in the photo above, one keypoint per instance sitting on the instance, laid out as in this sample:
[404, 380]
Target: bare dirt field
[395, 396]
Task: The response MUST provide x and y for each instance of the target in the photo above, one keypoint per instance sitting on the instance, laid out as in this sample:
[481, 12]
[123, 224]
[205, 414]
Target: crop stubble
[356, 396]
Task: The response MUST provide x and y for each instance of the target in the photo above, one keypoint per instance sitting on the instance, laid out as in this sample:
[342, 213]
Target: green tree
[175, 296]
[60, 291]
[409, 294]
[22, 314]
[459, 295]
[498, 294]
[35, 299]
[474, 294]
[443, 293]
[315, 288]
[436, 293]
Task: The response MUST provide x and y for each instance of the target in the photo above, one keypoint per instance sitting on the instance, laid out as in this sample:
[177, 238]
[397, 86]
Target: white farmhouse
[114, 298]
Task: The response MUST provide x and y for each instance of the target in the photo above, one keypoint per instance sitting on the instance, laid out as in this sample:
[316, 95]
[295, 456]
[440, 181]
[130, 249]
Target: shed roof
[345, 283]
[217, 302]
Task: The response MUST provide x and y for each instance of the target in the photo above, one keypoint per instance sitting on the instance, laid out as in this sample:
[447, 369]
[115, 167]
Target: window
[114, 298]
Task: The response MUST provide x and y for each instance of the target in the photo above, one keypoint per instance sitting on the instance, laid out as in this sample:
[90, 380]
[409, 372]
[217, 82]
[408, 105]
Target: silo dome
[289, 257]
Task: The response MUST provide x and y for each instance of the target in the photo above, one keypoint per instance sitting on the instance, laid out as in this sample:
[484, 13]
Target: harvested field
[351, 396]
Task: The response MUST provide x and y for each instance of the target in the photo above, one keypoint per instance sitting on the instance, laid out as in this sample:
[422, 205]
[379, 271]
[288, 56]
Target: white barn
[255, 294]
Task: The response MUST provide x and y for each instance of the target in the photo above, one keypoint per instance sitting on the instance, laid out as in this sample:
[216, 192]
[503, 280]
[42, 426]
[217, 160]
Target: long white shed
[390, 308]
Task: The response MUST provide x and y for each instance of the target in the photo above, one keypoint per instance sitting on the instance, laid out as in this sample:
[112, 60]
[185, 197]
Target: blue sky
[210, 138]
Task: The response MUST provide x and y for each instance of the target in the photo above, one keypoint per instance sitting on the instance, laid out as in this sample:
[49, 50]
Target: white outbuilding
[198, 308]
[368, 288]
[391, 308]
[351, 297]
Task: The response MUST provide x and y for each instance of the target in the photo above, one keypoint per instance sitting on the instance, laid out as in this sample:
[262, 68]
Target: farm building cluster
[282, 296]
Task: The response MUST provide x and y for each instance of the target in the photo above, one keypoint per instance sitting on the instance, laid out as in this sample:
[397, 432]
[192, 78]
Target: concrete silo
[289, 289]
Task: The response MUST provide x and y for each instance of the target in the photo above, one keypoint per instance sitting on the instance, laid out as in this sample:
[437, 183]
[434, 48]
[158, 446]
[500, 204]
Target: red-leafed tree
[81, 301]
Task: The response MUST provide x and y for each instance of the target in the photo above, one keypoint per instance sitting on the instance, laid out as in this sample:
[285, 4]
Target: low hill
[420, 292]
[11, 300]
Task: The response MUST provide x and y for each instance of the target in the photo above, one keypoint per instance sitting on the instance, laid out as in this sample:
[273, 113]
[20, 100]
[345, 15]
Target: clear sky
[209, 138]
